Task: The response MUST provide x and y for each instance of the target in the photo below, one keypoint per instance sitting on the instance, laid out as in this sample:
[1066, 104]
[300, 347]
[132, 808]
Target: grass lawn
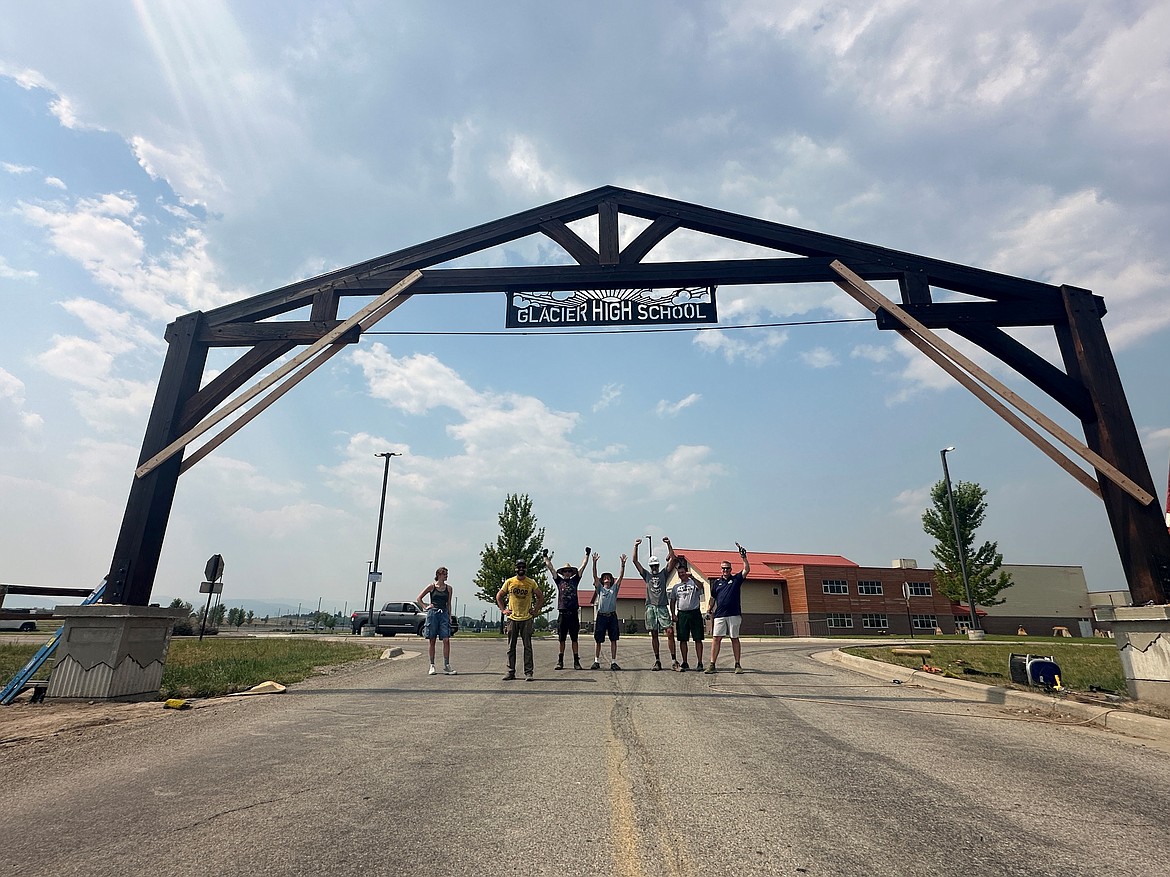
[216, 667]
[1083, 664]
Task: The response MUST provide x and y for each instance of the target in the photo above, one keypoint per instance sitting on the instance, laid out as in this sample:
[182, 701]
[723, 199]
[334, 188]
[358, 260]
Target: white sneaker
[432, 670]
[448, 670]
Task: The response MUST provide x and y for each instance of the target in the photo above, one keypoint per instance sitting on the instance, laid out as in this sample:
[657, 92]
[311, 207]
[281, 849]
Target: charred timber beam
[244, 334]
[1069, 392]
[653, 234]
[229, 380]
[652, 275]
[1139, 530]
[571, 241]
[949, 315]
[947, 275]
[442, 249]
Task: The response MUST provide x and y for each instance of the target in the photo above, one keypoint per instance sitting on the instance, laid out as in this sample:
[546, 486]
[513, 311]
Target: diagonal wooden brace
[377, 308]
[871, 299]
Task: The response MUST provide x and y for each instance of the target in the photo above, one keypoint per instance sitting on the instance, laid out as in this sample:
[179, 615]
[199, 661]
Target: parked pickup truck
[19, 619]
[397, 617]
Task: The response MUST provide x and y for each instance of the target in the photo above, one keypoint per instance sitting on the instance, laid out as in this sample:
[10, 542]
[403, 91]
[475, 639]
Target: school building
[821, 594]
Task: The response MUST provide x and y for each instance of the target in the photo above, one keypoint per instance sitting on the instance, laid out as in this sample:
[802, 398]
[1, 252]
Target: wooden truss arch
[1089, 385]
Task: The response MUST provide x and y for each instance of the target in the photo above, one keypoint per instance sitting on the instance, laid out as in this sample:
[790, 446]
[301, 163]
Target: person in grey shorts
[686, 613]
[657, 606]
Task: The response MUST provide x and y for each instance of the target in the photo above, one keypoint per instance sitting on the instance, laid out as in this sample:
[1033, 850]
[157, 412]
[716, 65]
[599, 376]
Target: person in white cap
[657, 604]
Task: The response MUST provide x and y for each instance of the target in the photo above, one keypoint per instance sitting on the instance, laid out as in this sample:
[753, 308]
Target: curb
[1111, 718]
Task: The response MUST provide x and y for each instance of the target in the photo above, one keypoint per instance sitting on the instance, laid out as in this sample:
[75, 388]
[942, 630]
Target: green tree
[184, 626]
[983, 566]
[519, 539]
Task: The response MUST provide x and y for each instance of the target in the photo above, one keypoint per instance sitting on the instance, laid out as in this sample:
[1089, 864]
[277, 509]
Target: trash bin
[1043, 671]
[1034, 670]
[1018, 668]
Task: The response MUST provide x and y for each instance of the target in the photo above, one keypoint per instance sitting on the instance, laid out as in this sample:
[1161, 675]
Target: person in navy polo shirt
[725, 608]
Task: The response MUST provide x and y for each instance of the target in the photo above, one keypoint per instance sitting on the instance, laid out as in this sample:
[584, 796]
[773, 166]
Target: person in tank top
[438, 624]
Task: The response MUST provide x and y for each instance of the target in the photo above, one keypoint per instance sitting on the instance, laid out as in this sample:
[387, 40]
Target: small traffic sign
[213, 572]
[211, 588]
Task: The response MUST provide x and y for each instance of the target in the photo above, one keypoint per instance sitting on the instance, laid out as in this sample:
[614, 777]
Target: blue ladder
[20, 680]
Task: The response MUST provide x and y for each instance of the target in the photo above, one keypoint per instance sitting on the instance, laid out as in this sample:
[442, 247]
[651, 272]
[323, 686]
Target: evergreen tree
[983, 566]
[519, 539]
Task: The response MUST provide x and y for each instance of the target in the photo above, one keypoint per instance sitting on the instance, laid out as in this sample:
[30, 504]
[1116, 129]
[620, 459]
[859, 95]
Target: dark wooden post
[1139, 530]
[148, 509]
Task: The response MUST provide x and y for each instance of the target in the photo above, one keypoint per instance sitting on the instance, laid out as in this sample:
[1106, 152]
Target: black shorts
[607, 625]
[569, 625]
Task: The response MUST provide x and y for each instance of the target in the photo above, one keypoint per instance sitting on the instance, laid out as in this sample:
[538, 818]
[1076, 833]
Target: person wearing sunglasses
[725, 608]
[523, 596]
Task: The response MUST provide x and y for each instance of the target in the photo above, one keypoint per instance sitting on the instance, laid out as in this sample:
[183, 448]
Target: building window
[775, 592]
[962, 625]
[875, 621]
[869, 587]
[919, 589]
[835, 586]
[924, 622]
[839, 619]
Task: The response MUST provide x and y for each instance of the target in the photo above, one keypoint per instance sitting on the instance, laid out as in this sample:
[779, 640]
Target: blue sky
[160, 158]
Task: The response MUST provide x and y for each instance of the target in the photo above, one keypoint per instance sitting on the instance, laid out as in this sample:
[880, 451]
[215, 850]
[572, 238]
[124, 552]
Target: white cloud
[503, 437]
[524, 167]
[737, 346]
[673, 409]
[610, 393]
[872, 352]
[12, 407]
[9, 273]
[819, 357]
[1091, 242]
[16, 169]
[56, 183]
[102, 234]
[184, 168]
[912, 502]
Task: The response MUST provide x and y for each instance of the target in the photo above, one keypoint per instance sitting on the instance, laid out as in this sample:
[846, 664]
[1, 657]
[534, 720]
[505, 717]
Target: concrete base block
[1143, 641]
[111, 652]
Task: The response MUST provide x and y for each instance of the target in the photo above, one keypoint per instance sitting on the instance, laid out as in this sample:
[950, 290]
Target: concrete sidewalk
[1113, 718]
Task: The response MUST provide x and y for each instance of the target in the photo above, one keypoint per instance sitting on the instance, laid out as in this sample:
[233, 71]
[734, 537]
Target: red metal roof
[763, 563]
[960, 610]
[628, 589]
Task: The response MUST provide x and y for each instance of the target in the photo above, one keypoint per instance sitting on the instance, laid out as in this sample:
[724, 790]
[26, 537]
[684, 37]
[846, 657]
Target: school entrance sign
[611, 284]
[620, 307]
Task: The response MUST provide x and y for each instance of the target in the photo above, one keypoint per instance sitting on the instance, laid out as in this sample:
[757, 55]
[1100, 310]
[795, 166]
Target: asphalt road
[795, 767]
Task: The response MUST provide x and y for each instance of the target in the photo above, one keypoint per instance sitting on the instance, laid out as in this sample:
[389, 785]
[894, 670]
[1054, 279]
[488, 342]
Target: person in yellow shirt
[522, 595]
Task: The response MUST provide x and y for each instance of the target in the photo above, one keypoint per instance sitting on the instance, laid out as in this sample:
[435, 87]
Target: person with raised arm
[657, 605]
[567, 580]
[725, 608]
[605, 594]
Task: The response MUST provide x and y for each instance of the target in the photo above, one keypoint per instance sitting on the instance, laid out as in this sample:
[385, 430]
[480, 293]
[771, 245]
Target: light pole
[385, 455]
[366, 596]
[959, 540]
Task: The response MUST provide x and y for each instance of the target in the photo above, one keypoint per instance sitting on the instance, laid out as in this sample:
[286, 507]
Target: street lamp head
[946, 450]
[388, 454]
